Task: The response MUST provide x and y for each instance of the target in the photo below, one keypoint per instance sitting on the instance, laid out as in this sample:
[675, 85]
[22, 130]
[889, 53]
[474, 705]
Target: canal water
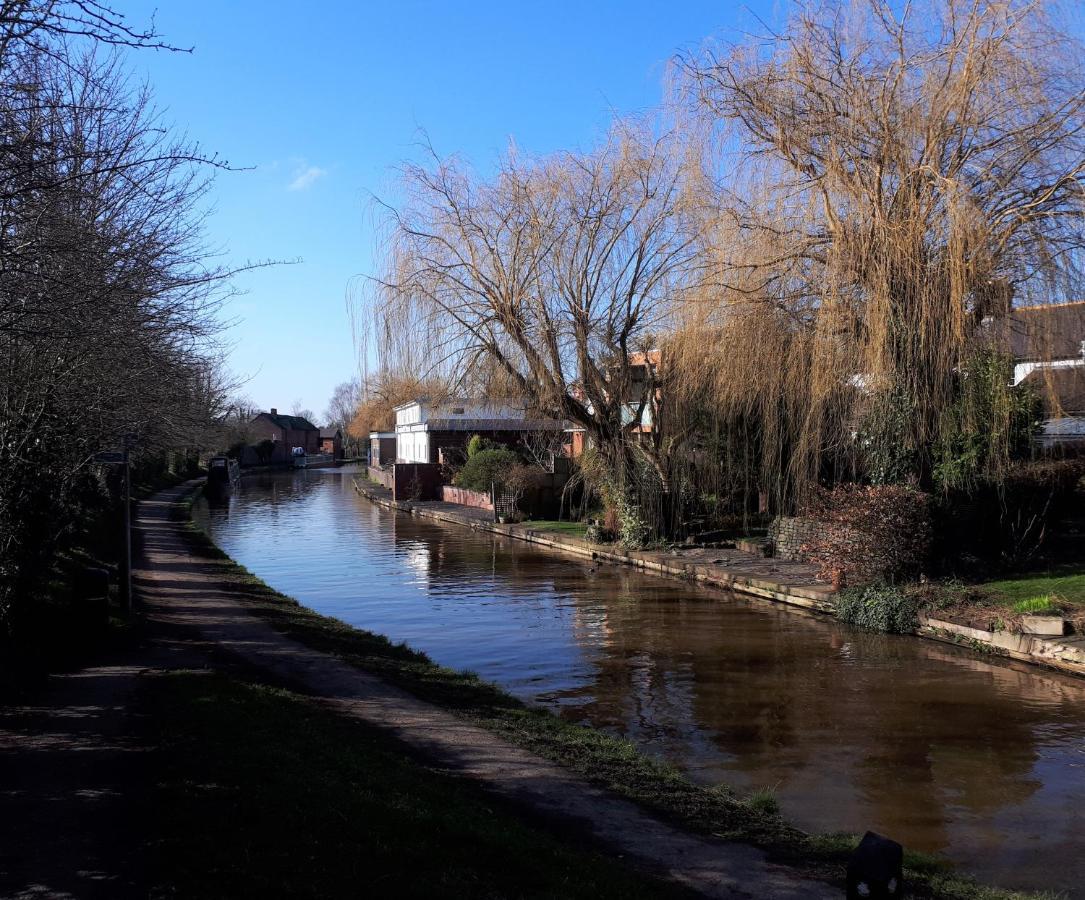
[942, 749]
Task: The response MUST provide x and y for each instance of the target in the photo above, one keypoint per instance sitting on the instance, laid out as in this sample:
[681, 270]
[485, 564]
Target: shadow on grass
[265, 794]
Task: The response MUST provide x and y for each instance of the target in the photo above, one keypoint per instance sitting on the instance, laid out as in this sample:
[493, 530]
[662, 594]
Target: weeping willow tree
[548, 281]
[897, 178]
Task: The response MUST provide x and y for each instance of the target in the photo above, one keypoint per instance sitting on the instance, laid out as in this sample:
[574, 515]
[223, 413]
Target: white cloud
[305, 177]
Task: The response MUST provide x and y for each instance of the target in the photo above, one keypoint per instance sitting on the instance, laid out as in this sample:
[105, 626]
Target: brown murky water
[944, 750]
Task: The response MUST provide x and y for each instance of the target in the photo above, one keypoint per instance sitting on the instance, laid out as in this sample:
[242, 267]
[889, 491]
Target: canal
[942, 749]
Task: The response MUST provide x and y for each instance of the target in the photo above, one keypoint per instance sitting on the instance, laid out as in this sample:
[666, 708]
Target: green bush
[485, 467]
[878, 608]
[478, 443]
[1007, 518]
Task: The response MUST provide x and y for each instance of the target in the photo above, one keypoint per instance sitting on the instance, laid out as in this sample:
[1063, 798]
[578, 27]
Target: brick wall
[464, 497]
[381, 476]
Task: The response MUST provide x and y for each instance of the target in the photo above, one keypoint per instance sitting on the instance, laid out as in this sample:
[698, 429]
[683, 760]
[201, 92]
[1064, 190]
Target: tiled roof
[295, 423]
[1062, 390]
[1047, 332]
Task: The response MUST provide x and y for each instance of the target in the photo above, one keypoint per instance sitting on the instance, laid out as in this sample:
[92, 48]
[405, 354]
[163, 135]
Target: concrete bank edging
[1066, 655]
[816, 599]
[807, 598]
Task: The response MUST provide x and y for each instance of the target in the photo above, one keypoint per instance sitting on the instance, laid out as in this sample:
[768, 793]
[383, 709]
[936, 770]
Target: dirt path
[180, 591]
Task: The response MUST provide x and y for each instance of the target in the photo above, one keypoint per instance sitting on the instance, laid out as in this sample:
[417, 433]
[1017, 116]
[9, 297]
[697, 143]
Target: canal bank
[782, 581]
[948, 751]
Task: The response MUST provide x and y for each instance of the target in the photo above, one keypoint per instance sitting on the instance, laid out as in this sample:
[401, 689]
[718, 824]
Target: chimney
[274, 411]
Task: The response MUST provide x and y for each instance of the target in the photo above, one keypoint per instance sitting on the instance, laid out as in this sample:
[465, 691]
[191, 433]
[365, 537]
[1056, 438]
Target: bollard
[876, 869]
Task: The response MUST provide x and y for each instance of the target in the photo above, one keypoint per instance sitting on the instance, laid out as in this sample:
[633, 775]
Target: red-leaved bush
[869, 533]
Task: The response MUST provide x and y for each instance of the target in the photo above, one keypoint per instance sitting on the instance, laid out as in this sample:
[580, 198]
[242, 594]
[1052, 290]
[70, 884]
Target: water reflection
[944, 750]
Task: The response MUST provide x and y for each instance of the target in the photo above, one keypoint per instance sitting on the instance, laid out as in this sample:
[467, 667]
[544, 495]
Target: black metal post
[127, 583]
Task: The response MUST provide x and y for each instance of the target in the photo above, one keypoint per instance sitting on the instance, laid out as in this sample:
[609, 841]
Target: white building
[424, 427]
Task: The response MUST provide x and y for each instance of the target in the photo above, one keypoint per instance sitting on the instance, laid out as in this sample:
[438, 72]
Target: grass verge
[574, 529]
[604, 760]
[1067, 582]
[266, 794]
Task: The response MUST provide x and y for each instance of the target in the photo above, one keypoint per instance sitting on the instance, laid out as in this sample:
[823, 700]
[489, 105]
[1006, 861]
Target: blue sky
[324, 100]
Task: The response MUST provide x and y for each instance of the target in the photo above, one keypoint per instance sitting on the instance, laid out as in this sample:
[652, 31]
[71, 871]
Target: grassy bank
[604, 760]
[265, 794]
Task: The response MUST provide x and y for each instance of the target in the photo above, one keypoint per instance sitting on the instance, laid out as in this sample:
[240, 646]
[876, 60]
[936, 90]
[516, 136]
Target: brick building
[286, 433]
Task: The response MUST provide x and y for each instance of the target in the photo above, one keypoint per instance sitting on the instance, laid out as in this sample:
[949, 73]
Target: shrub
[1007, 518]
[485, 467]
[871, 533]
[878, 608]
[478, 443]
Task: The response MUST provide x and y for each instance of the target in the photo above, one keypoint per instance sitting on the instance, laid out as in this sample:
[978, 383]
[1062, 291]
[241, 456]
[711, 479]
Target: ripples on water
[939, 748]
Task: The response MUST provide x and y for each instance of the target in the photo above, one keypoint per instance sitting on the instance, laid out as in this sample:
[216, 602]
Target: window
[457, 410]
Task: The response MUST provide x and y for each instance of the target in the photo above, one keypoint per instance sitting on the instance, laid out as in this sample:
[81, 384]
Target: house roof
[1061, 390]
[330, 432]
[1046, 332]
[483, 425]
[295, 423]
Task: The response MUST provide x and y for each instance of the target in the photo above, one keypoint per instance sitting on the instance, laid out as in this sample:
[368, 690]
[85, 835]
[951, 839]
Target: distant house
[382, 448]
[286, 433]
[643, 365]
[431, 432]
[1048, 347]
[331, 441]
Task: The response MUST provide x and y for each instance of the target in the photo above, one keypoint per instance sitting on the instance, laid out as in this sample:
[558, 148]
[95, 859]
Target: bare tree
[108, 297]
[554, 273]
[297, 408]
[905, 172]
[344, 401]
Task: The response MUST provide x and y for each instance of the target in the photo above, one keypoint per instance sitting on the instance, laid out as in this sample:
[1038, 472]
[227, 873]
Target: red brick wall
[464, 497]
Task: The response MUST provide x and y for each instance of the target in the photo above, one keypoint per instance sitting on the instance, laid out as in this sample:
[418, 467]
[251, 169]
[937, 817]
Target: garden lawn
[574, 529]
[1063, 583]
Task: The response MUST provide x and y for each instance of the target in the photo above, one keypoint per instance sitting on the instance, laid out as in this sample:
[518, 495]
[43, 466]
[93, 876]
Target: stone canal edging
[1066, 654]
[782, 581]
